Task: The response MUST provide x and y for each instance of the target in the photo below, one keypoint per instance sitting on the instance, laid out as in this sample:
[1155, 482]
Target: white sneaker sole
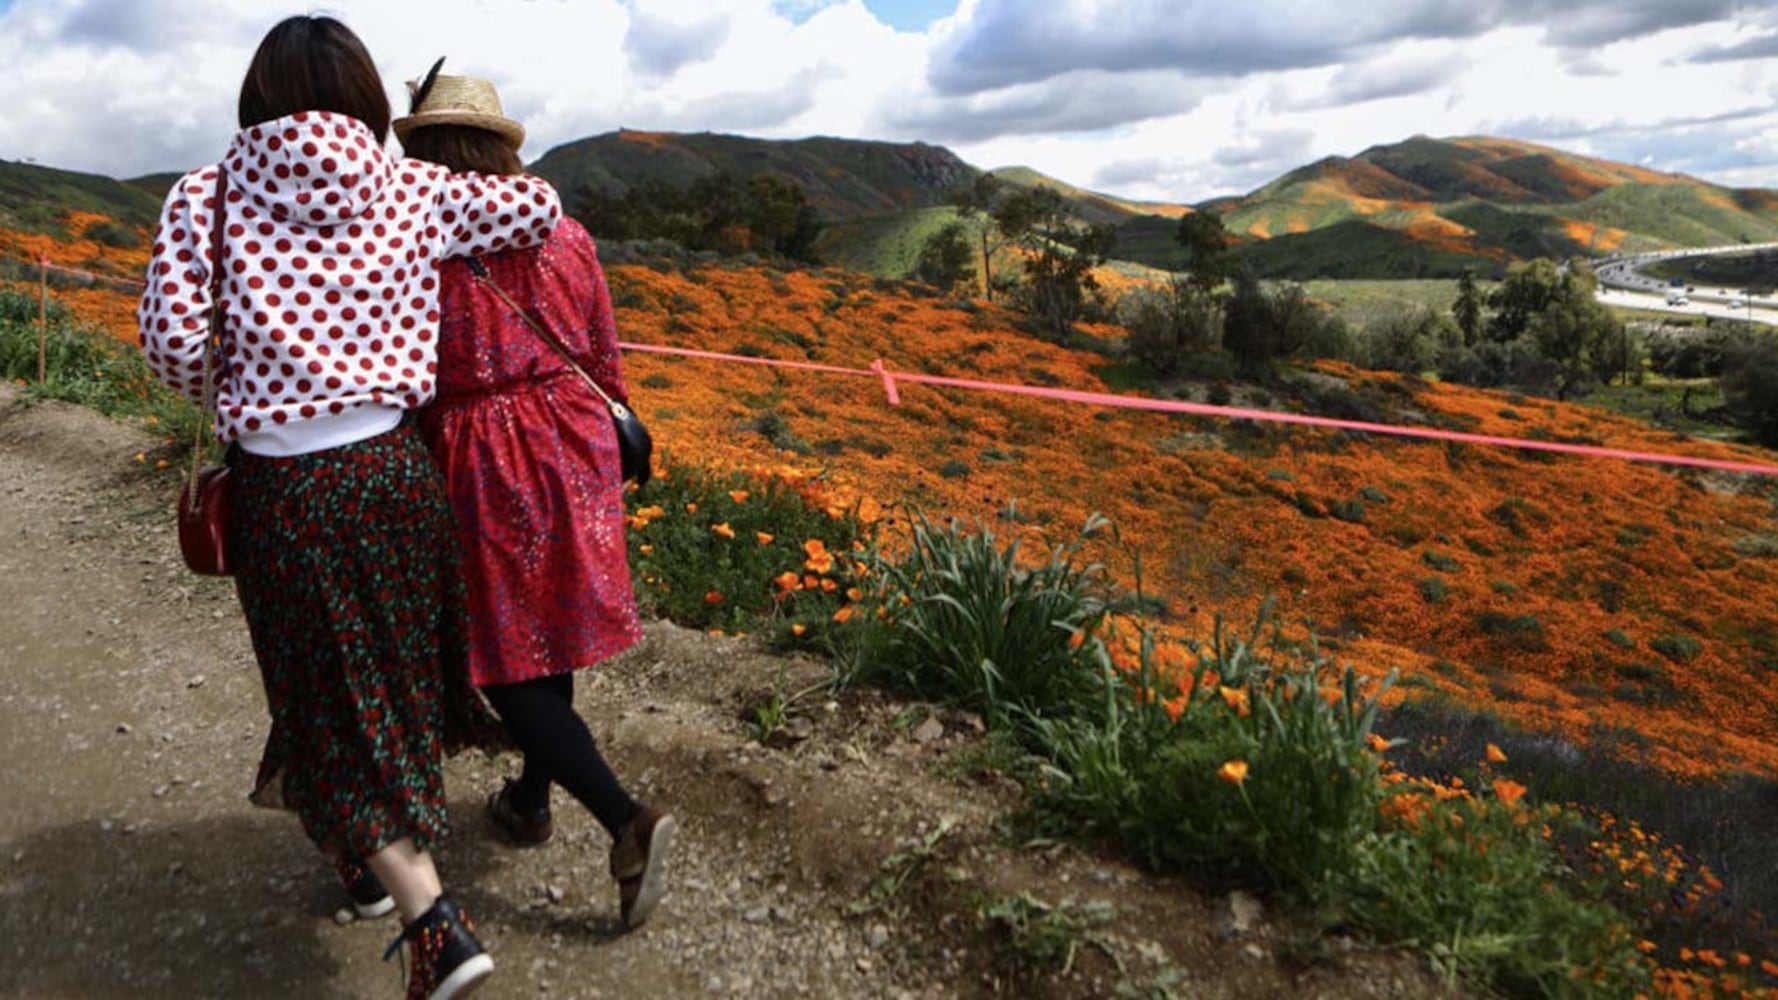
[654, 876]
[371, 911]
[464, 978]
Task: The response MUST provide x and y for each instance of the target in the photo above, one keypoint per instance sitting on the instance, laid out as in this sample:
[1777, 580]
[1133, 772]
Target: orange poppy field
[1602, 601]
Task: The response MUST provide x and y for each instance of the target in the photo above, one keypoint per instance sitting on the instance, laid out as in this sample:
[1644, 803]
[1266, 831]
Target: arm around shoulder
[488, 213]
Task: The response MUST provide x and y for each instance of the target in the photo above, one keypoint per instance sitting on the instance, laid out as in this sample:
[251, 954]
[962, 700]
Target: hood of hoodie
[313, 168]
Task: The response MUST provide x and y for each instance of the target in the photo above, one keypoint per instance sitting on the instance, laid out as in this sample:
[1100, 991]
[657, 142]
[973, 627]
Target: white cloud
[1157, 99]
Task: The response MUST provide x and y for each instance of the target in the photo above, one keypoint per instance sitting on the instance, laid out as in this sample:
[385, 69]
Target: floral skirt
[348, 575]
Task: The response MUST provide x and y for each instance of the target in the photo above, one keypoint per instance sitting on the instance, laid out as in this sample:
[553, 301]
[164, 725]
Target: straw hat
[457, 100]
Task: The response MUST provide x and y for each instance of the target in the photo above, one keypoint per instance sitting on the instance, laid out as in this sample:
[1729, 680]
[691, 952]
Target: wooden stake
[42, 320]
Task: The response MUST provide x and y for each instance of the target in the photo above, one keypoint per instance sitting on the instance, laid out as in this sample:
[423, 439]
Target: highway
[1622, 283]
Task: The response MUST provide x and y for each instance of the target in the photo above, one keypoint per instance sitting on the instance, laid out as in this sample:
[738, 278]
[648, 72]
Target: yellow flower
[739, 496]
[723, 529]
[1234, 772]
[764, 539]
[1495, 756]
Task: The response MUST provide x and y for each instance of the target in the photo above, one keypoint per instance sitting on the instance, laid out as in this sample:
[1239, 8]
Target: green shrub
[1262, 777]
[697, 556]
[963, 623]
[1476, 883]
[86, 367]
[1439, 561]
[1678, 648]
[1433, 589]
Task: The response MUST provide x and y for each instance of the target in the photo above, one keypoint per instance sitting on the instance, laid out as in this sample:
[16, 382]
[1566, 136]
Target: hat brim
[511, 131]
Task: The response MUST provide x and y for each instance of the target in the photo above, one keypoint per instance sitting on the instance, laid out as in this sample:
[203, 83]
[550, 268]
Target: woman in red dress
[532, 469]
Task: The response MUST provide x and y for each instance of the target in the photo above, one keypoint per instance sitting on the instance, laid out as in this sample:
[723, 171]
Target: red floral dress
[531, 462]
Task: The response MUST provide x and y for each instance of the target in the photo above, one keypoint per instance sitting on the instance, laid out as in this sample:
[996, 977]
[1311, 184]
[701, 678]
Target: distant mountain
[1433, 206]
[842, 178]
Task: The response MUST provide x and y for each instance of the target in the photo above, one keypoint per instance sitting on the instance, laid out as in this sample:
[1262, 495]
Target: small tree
[1467, 310]
[1060, 256]
[975, 203]
[1528, 290]
[1750, 388]
[946, 259]
[1206, 249]
[1168, 325]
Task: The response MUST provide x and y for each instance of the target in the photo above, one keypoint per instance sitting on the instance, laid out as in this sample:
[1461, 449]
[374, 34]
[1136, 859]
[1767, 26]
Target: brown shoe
[523, 829]
[639, 863]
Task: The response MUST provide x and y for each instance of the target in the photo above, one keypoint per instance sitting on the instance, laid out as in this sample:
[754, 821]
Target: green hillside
[36, 199]
[842, 178]
[1431, 207]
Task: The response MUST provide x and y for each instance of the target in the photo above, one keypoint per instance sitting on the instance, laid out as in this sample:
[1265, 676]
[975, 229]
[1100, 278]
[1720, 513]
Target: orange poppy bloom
[1509, 792]
[1236, 699]
[844, 614]
[1495, 756]
[764, 539]
[723, 529]
[739, 496]
[1234, 772]
[798, 629]
[713, 597]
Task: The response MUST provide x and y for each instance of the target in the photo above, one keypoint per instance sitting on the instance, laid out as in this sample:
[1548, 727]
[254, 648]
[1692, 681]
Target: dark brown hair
[464, 149]
[313, 64]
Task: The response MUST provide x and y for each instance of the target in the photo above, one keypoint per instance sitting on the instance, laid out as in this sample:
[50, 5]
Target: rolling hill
[1426, 207]
[39, 199]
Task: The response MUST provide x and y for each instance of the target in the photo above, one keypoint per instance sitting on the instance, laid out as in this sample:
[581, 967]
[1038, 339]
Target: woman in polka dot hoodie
[348, 568]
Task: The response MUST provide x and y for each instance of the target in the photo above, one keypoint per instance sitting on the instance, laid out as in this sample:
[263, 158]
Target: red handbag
[204, 502]
[203, 522]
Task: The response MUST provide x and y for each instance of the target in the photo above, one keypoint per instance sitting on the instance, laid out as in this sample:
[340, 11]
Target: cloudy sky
[1175, 100]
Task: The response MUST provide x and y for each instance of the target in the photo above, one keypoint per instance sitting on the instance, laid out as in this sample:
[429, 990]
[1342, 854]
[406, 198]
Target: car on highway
[1677, 297]
[1736, 303]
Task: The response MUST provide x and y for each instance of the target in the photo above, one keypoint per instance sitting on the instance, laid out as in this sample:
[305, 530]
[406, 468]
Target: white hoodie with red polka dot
[330, 287]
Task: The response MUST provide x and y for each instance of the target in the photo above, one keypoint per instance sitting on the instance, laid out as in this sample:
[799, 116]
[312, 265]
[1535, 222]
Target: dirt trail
[131, 864]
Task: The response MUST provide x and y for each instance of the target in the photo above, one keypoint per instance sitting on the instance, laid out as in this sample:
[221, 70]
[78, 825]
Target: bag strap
[213, 339]
[480, 270]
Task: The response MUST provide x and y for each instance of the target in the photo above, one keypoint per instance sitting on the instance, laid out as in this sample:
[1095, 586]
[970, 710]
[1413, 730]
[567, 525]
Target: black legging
[558, 747]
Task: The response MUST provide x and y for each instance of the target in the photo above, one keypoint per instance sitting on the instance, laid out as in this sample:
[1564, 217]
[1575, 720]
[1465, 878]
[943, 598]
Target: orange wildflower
[1495, 756]
[820, 560]
[1236, 699]
[764, 538]
[723, 529]
[1234, 772]
[787, 580]
[844, 614]
[1509, 792]
[713, 597]
[1377, 743]
[1175, 707]
[739, 496]
[691, 508]
[646, 549]
[798, 629]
